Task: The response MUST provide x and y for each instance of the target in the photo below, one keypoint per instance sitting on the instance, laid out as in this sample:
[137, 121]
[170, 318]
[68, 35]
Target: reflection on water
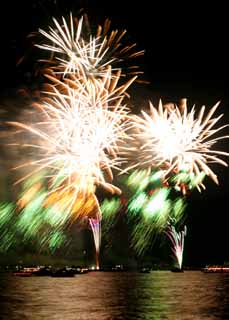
[116, 296]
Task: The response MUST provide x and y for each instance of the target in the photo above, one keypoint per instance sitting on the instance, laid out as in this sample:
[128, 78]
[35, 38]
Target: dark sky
[186, 56]
[186, 47]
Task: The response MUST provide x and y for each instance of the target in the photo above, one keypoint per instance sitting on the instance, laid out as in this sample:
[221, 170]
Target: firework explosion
[82, 132]
[175, 140]
[75, 141]
[76, 147]
[76, 49]
[82, 116]
[77, 127]
[179, 144]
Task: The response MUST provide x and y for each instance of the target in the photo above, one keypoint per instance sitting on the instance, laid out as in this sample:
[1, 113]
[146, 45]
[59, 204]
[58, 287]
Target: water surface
[121, 295]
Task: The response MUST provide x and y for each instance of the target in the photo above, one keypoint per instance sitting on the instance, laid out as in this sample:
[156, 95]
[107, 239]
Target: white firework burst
[174, 139]
[86, 55]
[75, 141]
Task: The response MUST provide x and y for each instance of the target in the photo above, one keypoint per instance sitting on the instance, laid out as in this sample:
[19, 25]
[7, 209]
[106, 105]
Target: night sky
[186, 56]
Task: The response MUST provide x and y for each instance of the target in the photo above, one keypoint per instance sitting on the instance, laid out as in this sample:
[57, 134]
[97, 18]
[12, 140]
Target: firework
[148, 205]
[73, 138]
[77, 51]
[80, 128]
[175, 140]
[76, 144]
[43, 228]
[95, 225]
[150, 217]
[7, 230]
[177, 239]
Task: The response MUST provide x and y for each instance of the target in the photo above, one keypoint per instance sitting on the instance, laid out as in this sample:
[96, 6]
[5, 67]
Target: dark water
[122, 296]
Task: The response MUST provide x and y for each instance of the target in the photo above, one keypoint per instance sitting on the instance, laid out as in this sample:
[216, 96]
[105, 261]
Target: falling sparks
[95, 225]
[148, 207]
[177, 239]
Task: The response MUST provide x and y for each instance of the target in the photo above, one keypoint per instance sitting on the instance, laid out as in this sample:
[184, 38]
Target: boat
[66, 273]
[177, 270]
[42, 271]
[78, 269]
[26, 272]
[215, 269]
[145, 270]
[23, 274]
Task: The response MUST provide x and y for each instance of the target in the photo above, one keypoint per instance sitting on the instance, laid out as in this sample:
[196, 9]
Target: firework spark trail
[173, 139]
[103, 93]
[95, 225]
[177, 239]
